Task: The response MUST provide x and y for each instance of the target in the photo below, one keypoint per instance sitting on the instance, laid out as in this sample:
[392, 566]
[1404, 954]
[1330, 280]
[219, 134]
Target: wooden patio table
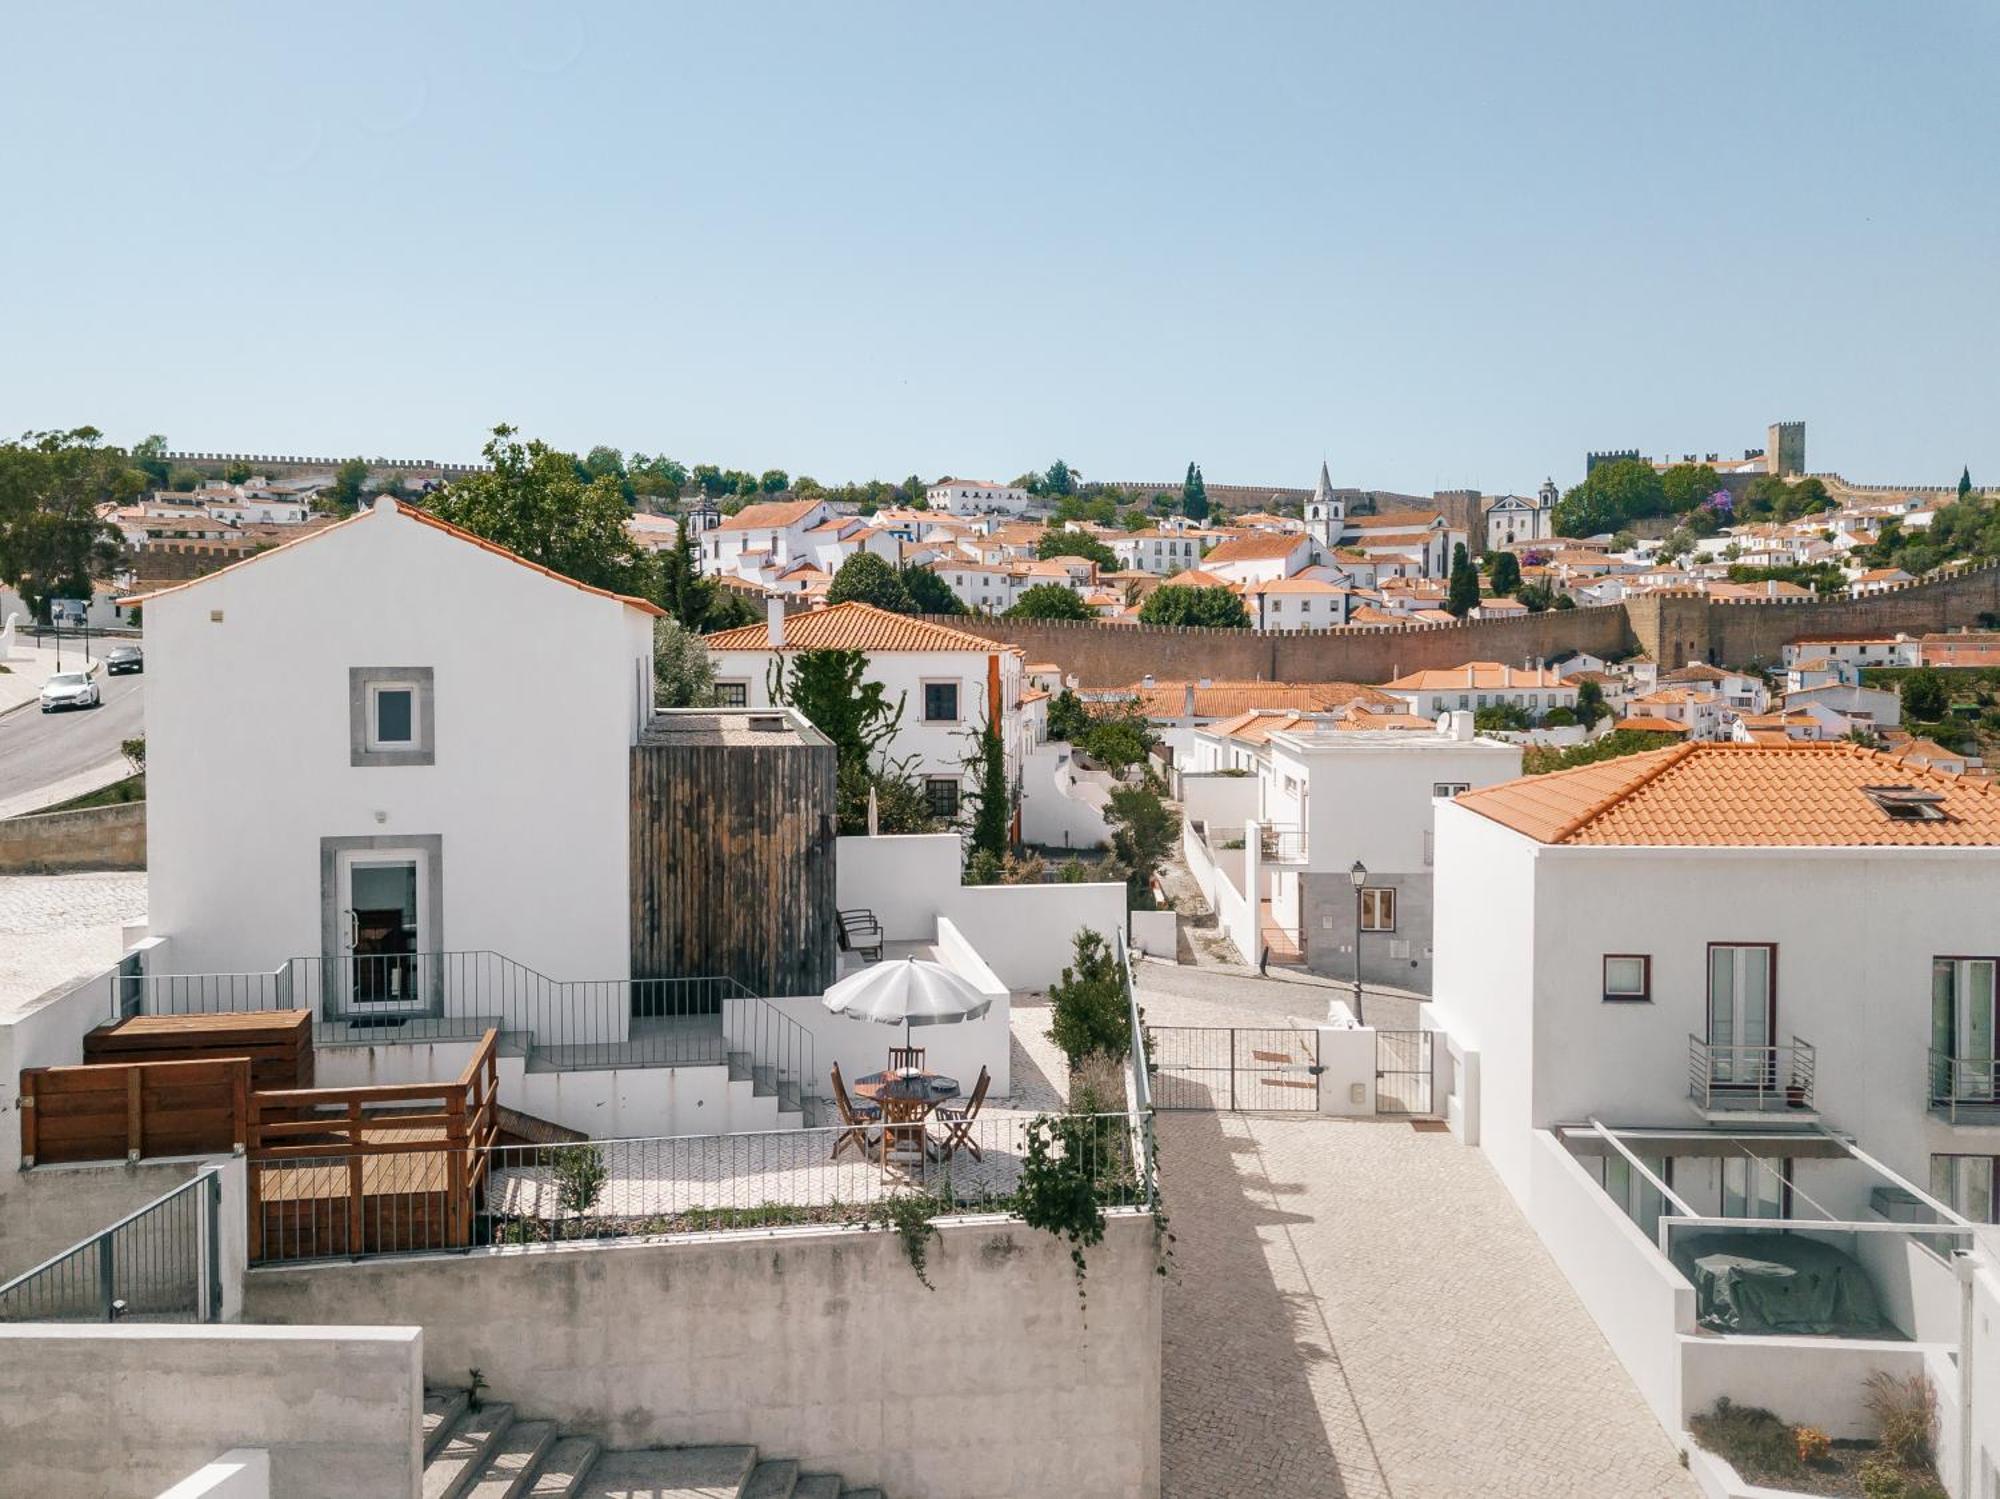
[906, 1099]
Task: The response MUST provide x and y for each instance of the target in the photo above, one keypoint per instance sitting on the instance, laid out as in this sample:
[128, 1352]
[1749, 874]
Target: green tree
[1068, 720]
[533, 503]
[1590, 705]
[1502, 716]
[683, 591]
[683, 670]
[1194, 494]
[1504, 573]
[1116, 743]
[51, 541]
[1686, 485]
[1135, 520]
[602, 462]
[238, 472]
[711, 481]
[901, 803]
[1925, 696]
[1180, 604]
[1965, 481]
[930, 594]
[773, 481]
[992, 799]
[1536, 596]
[1059, 479]
[349, 480]
[1049, 601]
[1089, 1014]
[1611, 495]
[659, 476]
[865, 578]
[184, 480]
[1060, 543]
[831, 688]
[1462, 596]
[1143, 834]
[149, 456]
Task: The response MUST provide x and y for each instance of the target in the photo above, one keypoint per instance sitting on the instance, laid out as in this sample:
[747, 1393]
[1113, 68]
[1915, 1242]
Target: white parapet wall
[99, 1411]
[818, 1344]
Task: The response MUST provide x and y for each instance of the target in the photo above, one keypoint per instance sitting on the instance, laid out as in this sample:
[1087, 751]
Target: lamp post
[1359, 875]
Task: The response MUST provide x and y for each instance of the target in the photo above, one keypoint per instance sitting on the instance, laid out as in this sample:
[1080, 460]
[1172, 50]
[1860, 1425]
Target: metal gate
[1234, 1067]
[1403, 1072]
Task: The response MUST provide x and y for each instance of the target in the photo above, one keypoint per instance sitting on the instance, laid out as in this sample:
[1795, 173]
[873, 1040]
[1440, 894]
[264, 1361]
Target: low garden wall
[111, 837]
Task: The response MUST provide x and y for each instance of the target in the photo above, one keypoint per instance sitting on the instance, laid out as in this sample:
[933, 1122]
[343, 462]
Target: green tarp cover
[1776, 1283]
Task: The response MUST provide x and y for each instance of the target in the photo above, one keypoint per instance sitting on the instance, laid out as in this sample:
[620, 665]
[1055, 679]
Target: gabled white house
[976, 497]
[774, 531]
[1482, 684]
[388, 738]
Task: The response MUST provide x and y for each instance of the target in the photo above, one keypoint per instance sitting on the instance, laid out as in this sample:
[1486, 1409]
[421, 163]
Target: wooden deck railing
[310, 1148]
[134, 1110]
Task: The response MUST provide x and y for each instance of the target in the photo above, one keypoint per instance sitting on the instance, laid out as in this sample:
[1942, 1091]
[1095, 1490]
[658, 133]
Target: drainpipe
[1966, 1266]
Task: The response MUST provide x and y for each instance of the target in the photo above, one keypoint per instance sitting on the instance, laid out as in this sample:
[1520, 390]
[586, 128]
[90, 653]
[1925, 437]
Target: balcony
[1279, 843]
[1964, 1090]
[1751, 1082]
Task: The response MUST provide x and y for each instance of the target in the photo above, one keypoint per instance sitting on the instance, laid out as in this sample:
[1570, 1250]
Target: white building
[772, 532]
[1156, 551]
[1299, 603]
[1856, 650]
[976, 497]
[1263, 557]
[950, 684]
[1483, 684]
[339, 767]
[1513, 519]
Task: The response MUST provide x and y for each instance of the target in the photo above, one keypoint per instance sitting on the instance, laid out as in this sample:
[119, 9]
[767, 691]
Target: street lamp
[1359, 875]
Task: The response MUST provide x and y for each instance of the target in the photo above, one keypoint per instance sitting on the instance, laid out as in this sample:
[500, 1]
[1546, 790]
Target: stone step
[442, 1408]
[450, 1472]
[772, 1480]
[565, 1466]
[670, 1473]
[513, 1461]
[817, 1486]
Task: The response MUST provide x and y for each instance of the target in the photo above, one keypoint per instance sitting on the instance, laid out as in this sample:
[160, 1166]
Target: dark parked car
[122, 658]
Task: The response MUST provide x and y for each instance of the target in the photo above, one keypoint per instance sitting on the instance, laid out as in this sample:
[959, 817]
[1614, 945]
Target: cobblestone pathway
[55, 928]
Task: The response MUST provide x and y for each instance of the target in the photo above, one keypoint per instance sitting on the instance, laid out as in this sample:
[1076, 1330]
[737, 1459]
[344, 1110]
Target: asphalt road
[37, 748]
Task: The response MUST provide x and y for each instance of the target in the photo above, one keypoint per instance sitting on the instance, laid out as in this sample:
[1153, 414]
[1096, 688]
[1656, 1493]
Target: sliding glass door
[1962, 1027]
[1742, 1014]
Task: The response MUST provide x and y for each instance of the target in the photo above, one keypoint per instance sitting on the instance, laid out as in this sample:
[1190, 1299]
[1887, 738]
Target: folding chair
[958, 1121]
[856, 1120]
[906, 1056]
[859, 932]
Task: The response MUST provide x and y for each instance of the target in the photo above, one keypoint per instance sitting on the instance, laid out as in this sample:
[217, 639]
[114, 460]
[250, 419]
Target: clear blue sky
[1443, 244]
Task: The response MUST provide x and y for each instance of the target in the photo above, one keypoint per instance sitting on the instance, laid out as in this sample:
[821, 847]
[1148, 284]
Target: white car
[69, 689]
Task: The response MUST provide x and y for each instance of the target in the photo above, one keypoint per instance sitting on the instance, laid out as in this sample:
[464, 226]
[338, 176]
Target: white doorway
[384, 929]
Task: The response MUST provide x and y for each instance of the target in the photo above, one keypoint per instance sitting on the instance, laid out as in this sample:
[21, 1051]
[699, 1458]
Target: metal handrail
[1283, 843]
[1763, 1078]
[1956, 1083]
[1139, 1080]
[161, 1263]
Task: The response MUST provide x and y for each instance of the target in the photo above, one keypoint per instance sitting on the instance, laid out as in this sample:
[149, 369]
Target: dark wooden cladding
[733, 863]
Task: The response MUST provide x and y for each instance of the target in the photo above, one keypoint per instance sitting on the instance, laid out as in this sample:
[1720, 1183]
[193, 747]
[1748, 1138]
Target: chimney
[1187, 702]
[1148, 680]
[774, 614]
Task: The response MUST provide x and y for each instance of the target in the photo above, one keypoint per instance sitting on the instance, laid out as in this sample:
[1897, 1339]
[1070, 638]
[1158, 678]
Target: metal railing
[1283, 844]
[567, 1024]
[1964, 1090]
[1750, 1079]
[1139, 1080]
[597, 1189]
[161, 1264]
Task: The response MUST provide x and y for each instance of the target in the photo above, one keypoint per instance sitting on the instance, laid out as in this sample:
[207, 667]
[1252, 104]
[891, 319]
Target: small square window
[1378, 910]
[391, 715]
[1450, 788]
[942, 792]
[1628, 978]
[732, 694]
[941, 702]
[392, 718]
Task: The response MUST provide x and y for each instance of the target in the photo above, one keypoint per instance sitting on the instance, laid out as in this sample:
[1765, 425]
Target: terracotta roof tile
[774, 514]
[1475, 676]
[852, 627]
[1254, 549]
[1231, 699]
[1743, 796]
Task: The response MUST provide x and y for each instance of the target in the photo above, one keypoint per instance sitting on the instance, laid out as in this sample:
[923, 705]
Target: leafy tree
[711, 481]
[1536, 596]
[1560, 717]
[1505, 716]
[1060, 479]
[1116, 743]
[1068, 720]
[1925, 696]
[51, 540]
[1179, 604]
[1965, 481]
[1504, 573]
[1194, 494]
[1060, 543]
[683, 670]
[831, 689]
[683, 591]
[1143, 834]
[992, 798]
[349, 480]
[1136, 520]
[602, 462]
[866, 578]
[656, 476]
[1590, 705]
[728, 608]
[1563, 601]
[930, 594]
[773, 481]
[901, 803]
[1686, 485]
[1609, 496]
[184, 480]
[1463, 595]
[1539, 759]
[238, 472]
[913, 489]
[394, 487]
[1089, 1014]
[534, 504]
[149, 456]
[1050, 601]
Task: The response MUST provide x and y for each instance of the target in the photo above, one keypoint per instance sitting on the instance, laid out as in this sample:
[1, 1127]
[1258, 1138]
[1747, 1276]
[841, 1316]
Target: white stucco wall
[1372, 800]
[898, 877]
[1027, 933]
[538, 692]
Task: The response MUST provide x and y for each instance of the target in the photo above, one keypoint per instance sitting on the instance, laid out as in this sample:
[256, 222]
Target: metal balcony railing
[1732, 1079]
[1282, 844]
[1963, 1090]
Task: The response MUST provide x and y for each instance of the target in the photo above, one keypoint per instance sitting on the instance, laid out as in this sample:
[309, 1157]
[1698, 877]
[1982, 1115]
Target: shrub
[1756, 1443]
[1906, 1410]
[1811, 1444]
[580, 1174]
[1881, 1479]
[1087, 1008]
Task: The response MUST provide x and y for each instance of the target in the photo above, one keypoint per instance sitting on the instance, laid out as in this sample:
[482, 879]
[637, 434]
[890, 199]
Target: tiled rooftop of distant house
[853, 627]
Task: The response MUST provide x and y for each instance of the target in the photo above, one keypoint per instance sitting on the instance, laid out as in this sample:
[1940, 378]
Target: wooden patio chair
[958, 1120]
[906, 1056]
[856, 1120]
[859, 932]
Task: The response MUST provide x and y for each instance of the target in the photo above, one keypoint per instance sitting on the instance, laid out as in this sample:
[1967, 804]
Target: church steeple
[1326, 512]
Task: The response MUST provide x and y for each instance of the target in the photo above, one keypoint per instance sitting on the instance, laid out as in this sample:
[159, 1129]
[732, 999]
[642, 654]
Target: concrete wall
[111, 837]
[121, 1412]
[1027, 933]
[49, 1209]
[1219, 801]
[1058, 808]
[817, 1344]
[1401, 958]
[898, 877]
[1803, 1381]
[240, 1473]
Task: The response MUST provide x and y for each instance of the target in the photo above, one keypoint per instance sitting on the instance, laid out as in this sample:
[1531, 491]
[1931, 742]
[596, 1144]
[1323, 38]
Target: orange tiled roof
[775, 513]
[1231, 699]
[1742, 796]
[422, 518]
[1477, 675]
[1395, 520]
[1254, 549]
[1257, 725]
[1646, 723]
[1194, 577]
[852, 626]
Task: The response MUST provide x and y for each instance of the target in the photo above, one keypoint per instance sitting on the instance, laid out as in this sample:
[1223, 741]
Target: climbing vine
[1059, 1183]
[910, 1214]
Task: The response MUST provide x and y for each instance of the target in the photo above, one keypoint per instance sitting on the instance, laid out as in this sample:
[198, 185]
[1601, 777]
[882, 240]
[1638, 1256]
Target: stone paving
[58, 928]
[1357, 1308]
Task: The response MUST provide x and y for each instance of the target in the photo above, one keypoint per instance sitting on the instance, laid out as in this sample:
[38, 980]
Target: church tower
[1547, 494]
[1326, 512]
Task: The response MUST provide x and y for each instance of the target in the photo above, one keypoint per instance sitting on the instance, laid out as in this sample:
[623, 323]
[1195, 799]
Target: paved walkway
[61, 927]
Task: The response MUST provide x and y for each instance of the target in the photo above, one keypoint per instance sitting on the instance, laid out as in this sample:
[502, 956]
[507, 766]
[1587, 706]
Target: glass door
[1753, 1187]
[383, 924]
[1740, 1018]
[1962, 1027]
[1964, 1183]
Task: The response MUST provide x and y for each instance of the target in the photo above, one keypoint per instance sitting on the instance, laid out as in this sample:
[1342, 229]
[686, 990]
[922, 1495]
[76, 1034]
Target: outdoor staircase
[489, 1454]
[794, 1112]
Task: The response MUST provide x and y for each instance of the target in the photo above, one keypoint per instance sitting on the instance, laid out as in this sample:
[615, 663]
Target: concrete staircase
[491, 1454]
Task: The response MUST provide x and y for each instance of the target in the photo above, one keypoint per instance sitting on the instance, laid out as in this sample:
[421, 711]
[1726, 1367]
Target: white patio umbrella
[912, 992]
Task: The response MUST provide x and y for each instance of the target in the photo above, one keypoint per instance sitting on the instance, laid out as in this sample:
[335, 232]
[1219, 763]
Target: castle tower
[1785, 449]
[1326, 512]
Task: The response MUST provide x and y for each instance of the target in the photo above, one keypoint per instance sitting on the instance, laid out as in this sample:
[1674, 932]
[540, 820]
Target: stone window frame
[423, 715]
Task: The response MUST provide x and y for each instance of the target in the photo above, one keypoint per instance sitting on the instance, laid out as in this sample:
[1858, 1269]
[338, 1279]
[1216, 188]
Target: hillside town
[770, 923]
